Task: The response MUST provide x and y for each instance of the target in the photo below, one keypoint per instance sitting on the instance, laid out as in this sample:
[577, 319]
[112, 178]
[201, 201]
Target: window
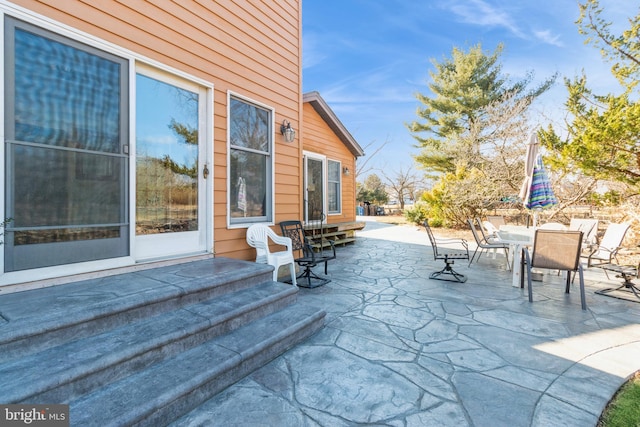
[334, 191]
[250, 168]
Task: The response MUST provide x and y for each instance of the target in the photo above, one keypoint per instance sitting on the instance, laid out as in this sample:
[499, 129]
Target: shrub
[417, 213]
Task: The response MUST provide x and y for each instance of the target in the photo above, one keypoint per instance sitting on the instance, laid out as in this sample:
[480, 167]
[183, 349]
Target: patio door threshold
[140, 266]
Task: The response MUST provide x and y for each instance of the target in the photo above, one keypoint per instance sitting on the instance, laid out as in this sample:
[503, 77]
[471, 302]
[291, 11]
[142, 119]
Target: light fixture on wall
[287, 131]
[346, 171]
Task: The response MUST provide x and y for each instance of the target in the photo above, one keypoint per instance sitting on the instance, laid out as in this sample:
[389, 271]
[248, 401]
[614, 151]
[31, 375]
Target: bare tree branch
[362, 167]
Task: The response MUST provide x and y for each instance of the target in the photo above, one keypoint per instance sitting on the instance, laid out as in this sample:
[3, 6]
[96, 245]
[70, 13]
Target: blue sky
[368, 58]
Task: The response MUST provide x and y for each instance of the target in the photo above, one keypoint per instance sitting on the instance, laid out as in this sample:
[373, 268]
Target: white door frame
[323, 159]
[169, 245]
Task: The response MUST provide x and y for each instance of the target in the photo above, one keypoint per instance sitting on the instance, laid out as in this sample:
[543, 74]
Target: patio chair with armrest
[589, 228]
[258, 237]
[625, 272]
[491, 230]
[555, 250]
[483, 243]
[606, 251]
[448, 255]
[306, 256]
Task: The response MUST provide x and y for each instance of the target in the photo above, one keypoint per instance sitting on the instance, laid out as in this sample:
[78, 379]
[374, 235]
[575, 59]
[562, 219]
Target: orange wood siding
[319, 138]
[250, 47]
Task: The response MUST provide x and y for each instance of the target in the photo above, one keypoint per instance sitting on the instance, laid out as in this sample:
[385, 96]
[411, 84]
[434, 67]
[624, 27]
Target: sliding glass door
[66, 143]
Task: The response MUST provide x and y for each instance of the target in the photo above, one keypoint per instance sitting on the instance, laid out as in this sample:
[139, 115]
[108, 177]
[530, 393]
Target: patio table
[517, 237]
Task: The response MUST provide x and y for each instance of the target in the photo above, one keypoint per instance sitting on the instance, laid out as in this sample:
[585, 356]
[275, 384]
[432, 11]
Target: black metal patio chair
[305, 254]
[448, 255]
[625, 272]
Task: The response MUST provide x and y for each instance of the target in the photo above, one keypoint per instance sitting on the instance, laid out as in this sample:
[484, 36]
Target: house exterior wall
[252, 48]
[319, 138]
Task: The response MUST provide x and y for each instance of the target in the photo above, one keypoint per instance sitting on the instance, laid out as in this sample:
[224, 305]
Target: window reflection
[333, 190]
[64, 96]
[315, 190]
[250, 168]
[166, 157]
[66, 105]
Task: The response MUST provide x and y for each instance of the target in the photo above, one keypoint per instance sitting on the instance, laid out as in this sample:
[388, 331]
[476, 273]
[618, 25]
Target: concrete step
[146, 347]
[35, 320]
[75, 368]
[170, 388]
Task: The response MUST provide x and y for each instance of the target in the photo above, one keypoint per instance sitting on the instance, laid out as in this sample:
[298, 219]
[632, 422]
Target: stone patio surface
[399, 349]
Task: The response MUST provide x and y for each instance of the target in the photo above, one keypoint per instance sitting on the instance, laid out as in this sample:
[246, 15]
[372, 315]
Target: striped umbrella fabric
[541, 194]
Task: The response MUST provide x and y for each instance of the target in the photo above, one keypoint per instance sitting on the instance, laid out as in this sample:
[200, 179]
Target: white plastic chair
[258, 236]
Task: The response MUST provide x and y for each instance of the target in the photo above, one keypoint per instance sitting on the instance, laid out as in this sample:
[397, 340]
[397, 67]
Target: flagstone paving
[399, 349]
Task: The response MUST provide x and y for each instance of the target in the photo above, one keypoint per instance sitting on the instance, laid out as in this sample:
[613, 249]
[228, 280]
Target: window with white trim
[251, 162]
[334, 187]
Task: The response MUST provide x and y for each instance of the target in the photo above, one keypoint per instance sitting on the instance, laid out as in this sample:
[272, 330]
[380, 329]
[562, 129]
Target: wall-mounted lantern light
[346, 171]
[287, 131]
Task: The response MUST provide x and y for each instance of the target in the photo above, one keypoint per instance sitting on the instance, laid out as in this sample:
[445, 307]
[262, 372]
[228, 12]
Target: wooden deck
[340, 234]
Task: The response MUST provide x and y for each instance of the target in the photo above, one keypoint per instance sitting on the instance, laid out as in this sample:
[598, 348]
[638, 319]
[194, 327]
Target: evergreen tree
[473, 133]
[603, 139]
[454, 123]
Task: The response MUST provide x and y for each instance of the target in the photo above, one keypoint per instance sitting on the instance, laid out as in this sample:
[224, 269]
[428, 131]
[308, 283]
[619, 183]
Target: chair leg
[521, 266]
[474, 255]
[292, 269]
[506, 257]
[529, 279]
[582, 296]
[308, 274]
[448, 270]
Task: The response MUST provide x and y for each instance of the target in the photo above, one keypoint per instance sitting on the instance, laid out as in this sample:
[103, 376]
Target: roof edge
[327, 114]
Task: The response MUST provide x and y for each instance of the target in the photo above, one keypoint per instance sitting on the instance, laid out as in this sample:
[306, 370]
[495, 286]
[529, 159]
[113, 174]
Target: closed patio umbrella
[536, 192]
[532, 154]
[541, 194]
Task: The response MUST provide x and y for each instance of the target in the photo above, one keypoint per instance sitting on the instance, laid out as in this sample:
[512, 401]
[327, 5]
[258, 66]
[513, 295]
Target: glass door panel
[66, 170]
[314, 187]
[168, 168]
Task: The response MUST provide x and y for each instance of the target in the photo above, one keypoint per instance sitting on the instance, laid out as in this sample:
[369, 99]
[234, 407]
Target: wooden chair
[305, 255]
[258, 237]
[448, 256]
[555, 250]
